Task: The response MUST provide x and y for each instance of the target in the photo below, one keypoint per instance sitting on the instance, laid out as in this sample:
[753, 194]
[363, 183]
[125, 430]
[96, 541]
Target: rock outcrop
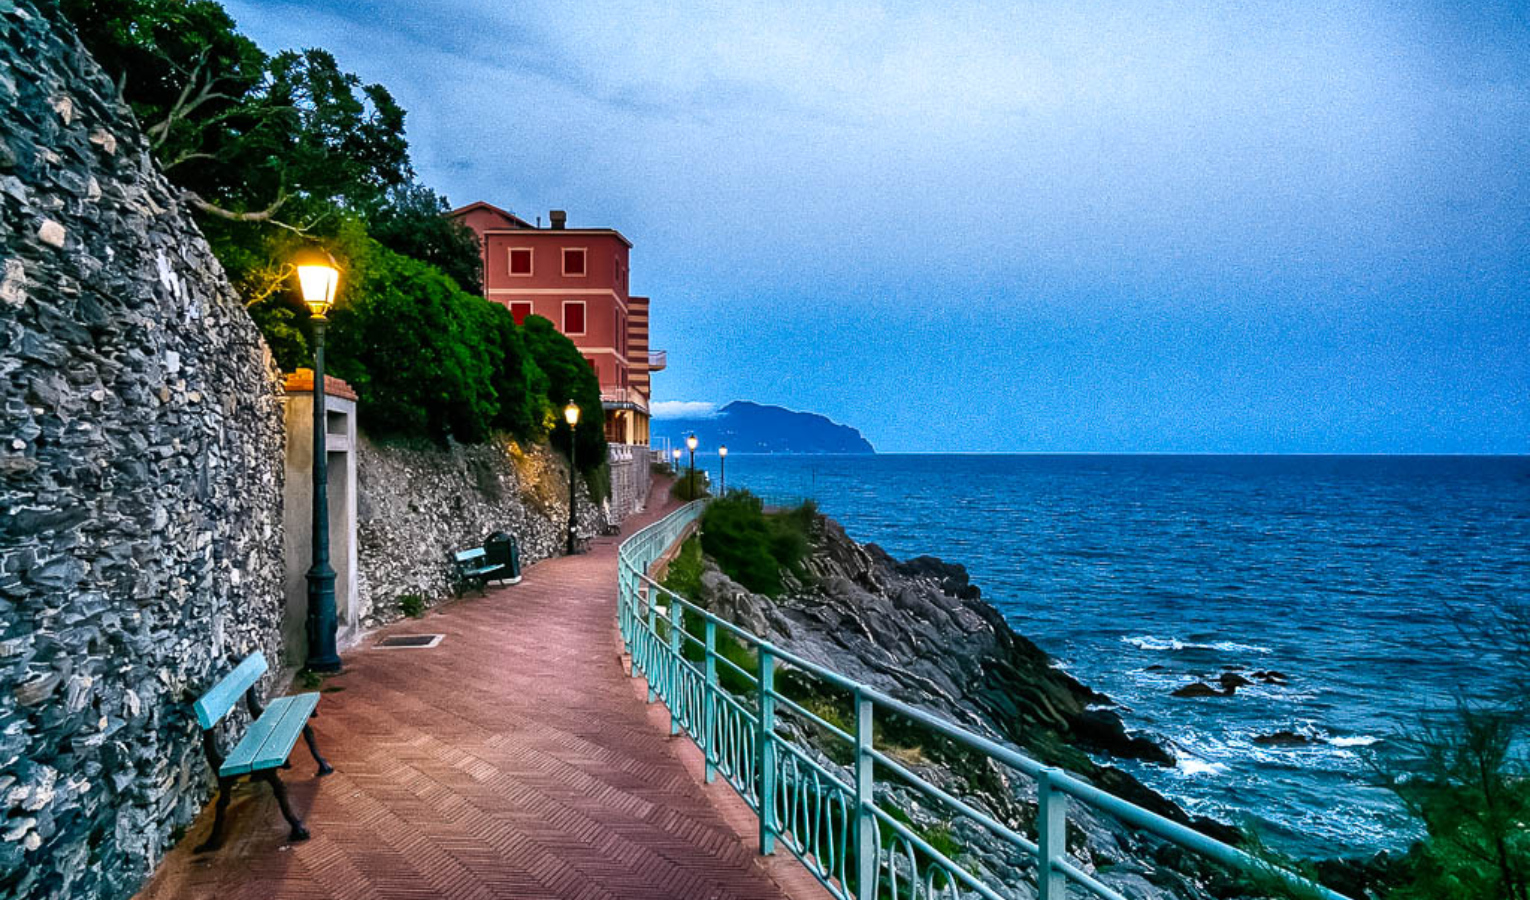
[920, 631]
[140, 479]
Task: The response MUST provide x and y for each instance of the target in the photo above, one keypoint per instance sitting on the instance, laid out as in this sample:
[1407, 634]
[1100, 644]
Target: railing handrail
[661, 660]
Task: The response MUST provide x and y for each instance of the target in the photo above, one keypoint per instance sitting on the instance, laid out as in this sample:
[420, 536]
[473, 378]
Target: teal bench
[265, 746]
[473, 568]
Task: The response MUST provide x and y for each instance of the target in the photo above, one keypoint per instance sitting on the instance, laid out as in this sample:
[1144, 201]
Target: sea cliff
[920, 631]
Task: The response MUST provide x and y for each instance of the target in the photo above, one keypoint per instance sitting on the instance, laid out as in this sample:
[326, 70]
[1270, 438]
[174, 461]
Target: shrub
[412, 605]
[753, 548]
[682, 488]
[569, 377]
[410, 345]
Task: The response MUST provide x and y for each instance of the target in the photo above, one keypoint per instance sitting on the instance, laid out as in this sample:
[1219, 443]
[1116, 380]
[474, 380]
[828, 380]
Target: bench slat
[238, 761]
[278, 746]
[215, 704]
[469, 555]
[483, 570]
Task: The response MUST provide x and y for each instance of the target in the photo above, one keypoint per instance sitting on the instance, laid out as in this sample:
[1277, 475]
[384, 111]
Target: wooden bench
[266, 743]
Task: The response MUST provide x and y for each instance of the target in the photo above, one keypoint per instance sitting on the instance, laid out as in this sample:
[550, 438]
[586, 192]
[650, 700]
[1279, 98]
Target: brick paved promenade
[516, 759]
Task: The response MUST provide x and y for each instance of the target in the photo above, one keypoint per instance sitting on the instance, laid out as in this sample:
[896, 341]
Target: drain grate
[410, 641]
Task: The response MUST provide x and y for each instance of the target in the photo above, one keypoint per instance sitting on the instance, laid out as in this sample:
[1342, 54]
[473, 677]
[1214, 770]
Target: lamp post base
[323, 655]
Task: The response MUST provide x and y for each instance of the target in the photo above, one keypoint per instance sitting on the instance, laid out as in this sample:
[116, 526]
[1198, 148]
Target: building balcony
[657, 360]
[613, 397]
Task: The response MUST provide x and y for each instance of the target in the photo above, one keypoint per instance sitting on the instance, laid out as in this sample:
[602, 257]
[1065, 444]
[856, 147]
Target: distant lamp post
[722, 471]
[571, 416]
[691, 443]
[677, 460]
[317, 280]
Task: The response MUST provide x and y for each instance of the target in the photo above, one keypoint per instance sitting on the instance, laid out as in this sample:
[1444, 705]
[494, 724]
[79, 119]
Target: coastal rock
[918, 631]
[1200, 689]
[1283, 738]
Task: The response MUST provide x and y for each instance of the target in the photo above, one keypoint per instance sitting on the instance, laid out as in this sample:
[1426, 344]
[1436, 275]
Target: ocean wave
[1360, 740]
[1152, 642]
[1193, 765]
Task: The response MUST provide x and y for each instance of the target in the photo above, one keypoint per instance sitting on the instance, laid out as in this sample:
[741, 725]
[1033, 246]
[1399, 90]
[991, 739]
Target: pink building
[576, 277]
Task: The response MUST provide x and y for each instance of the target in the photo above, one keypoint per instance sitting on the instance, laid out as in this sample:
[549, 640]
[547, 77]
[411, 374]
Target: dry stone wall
[140, 480]
[417, 504]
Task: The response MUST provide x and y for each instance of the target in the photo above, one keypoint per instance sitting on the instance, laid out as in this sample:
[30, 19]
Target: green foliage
[1465, 777]
[248, 137]
[686, 489]
[684, 573]
[569, 377]
[310, 679]
[409, 345]
[412, 605]
[754, 548]
[411, 219]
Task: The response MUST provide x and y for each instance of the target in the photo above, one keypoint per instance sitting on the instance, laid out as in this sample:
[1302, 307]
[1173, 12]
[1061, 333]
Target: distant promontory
[746, 427]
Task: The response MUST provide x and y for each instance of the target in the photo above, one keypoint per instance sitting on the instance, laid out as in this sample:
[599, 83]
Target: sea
[1362, 579]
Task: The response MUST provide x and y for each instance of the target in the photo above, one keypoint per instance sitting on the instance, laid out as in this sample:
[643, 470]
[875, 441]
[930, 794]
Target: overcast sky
[1060, 226]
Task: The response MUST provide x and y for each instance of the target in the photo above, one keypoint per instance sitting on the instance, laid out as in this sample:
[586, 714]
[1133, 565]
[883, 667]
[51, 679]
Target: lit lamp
[317, 280]
[691, 443]
[677, 460]
[722, 471]
[571, 416]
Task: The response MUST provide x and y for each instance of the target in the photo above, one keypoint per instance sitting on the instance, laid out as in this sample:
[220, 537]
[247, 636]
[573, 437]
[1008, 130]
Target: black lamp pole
[572, 468]
[693, 471]
[722, 473]
[322, 623]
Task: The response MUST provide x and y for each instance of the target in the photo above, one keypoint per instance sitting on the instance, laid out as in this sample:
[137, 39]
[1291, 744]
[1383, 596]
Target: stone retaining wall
[140, 480]
[417, 504]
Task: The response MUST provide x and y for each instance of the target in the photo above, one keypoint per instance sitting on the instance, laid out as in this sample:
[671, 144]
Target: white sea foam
[1192, 765]
[1152, 642]
[1363, 740]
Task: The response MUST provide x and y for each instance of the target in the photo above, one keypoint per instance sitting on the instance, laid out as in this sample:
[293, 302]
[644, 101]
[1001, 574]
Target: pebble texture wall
[417, 504]
[140, 466]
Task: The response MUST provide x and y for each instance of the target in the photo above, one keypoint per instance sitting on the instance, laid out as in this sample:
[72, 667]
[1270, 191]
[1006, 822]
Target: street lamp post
[571, 415]
[691, 443]
[722, 471]
[676, 452]
[317, 279]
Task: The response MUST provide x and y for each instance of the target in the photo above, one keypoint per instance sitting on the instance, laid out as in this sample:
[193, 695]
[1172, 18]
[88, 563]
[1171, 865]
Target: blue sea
[1357, 577]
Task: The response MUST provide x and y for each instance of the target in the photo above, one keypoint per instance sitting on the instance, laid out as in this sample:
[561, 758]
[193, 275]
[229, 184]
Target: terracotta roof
[301, 382]
[507, 214]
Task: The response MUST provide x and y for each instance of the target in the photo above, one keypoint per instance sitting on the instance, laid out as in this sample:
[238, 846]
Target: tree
[412, 219]
[569, 376]
[280, 141]
[409, 343]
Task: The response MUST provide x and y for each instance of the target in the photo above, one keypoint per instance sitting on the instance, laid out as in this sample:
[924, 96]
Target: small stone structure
[631, 477]
[140, 480]
[297, 518]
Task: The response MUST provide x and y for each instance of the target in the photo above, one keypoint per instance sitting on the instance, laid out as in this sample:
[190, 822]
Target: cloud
[683, 409]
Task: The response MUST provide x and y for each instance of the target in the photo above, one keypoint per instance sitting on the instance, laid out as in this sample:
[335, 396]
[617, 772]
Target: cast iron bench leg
[215, 840]
[299, 833]
[313, 747]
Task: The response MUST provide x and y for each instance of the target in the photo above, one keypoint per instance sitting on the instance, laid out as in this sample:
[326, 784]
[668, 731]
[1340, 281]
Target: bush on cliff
[569, 377]
[754, 548]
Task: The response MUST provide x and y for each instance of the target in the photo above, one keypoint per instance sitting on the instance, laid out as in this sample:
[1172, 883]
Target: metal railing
[833, 823]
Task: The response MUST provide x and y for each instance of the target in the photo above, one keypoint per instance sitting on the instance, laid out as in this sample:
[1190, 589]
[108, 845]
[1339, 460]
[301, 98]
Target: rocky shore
[920, 631]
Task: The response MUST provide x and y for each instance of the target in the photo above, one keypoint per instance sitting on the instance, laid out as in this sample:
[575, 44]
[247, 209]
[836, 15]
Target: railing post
[676, 693]
[649, 639]
[866, 862]
[709, 704]
[1051, 838]
[766, 752]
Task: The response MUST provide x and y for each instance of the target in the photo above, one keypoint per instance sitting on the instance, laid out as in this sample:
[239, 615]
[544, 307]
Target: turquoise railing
[830, 821]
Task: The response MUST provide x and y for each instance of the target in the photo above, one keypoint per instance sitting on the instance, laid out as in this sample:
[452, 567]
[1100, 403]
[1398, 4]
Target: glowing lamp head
[677, 454]
[317, 281]
[691, 442]
[571, 414]
[723, 451]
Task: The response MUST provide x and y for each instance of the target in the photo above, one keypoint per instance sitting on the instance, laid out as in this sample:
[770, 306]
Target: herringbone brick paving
[514, 760]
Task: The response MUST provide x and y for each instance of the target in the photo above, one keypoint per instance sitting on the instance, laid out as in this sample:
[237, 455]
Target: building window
[520, 309]
[573, 317]
[520, 260]
[573, 261]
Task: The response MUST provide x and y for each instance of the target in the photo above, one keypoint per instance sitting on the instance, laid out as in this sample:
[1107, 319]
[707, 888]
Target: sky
[1057, 227]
